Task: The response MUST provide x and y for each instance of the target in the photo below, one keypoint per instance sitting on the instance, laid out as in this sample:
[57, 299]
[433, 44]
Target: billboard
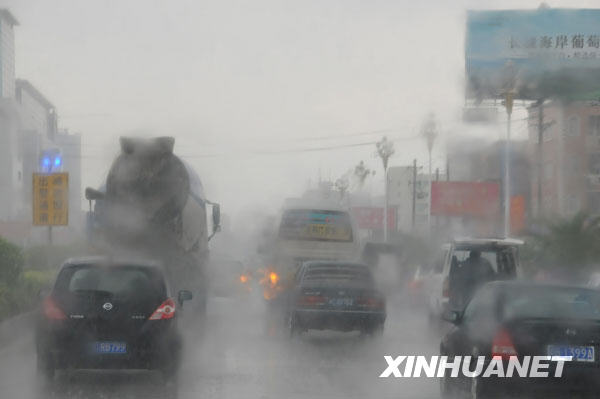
[538, 53]
[457, 198]
[371, 218]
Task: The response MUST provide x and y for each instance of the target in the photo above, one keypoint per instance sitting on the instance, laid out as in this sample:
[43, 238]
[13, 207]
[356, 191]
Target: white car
[501, 254]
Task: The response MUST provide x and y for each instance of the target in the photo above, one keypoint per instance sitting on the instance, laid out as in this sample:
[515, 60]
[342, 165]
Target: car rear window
[118, 281]
[350, 273]
[316, 225]
[502, 260]
[552, 302]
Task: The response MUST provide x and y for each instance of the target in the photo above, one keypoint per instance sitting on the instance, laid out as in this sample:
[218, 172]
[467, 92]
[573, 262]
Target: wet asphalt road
[242, 353]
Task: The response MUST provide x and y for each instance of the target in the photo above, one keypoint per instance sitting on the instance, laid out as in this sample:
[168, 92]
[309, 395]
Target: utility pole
[414, 193]
[385, 149]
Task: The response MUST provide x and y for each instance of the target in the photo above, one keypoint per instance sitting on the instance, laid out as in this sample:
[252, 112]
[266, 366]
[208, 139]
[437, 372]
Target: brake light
[52, 311]
[165, 311]
[370, 302]
[503, 346]
[312, 300]
[446, 288]
[416, 284]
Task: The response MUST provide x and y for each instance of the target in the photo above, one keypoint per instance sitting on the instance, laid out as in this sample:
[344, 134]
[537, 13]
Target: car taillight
[446, 288]
[311, 300]
[52, 311]
[273, 278]
[502, 345]
[370, 302]
[415, 284]
[165, 311]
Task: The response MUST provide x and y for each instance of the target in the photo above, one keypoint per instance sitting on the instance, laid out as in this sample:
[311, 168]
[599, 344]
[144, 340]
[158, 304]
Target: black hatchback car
[106, 314]
[333, 295]
[516, 319]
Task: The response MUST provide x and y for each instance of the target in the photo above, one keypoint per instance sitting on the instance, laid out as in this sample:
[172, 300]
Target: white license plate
[110, 347]
[577, 353]
[341, 301]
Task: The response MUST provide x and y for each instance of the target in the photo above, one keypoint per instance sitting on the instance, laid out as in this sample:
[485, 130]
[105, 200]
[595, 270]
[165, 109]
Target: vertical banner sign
[50, 199]
[517, 214]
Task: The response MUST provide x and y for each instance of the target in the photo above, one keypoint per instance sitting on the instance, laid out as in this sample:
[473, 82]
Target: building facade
[28, 129]
[7, 54]
[566, 161]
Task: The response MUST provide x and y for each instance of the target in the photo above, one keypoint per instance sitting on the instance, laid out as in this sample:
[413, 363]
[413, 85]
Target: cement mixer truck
[152, 205]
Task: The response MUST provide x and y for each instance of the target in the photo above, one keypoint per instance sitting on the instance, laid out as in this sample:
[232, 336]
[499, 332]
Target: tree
[342, 185]
[571, 243]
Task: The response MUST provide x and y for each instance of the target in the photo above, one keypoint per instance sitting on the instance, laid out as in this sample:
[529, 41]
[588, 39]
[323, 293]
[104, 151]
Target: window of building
[573, 165]
[594, 202]
[594, 125]
[572, 126]
[573, 204]
[594, 163]
[548, 171]
[547, 134]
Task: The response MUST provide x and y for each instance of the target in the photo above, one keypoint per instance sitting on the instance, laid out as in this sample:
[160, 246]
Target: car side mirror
[92, 194]
[216, 217]
[452, 316]
[184, 295]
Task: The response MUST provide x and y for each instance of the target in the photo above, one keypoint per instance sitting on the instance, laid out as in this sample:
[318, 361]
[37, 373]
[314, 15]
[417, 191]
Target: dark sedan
[106, 314]
[340, 296]
[512, 320]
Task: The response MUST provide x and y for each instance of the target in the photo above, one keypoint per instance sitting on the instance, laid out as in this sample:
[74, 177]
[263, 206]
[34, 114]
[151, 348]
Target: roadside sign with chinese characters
[50, 199]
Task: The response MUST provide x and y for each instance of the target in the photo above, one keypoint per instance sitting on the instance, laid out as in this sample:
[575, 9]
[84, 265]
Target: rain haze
[293, 199]
[232, 80]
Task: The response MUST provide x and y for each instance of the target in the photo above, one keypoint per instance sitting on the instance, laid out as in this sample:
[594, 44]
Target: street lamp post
[508, 104]
[385, 149]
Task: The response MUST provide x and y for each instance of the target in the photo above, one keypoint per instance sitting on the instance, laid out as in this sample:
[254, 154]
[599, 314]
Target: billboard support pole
[508, 103]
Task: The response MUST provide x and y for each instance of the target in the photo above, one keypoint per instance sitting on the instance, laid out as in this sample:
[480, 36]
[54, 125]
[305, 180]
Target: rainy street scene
[299, 199]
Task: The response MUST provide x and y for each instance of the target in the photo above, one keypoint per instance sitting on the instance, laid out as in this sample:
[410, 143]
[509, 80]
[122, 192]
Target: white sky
[232, 78]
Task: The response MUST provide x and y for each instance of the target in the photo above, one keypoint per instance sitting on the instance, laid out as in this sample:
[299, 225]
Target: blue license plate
[577, 353]
[341, 302]
[110, 347]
